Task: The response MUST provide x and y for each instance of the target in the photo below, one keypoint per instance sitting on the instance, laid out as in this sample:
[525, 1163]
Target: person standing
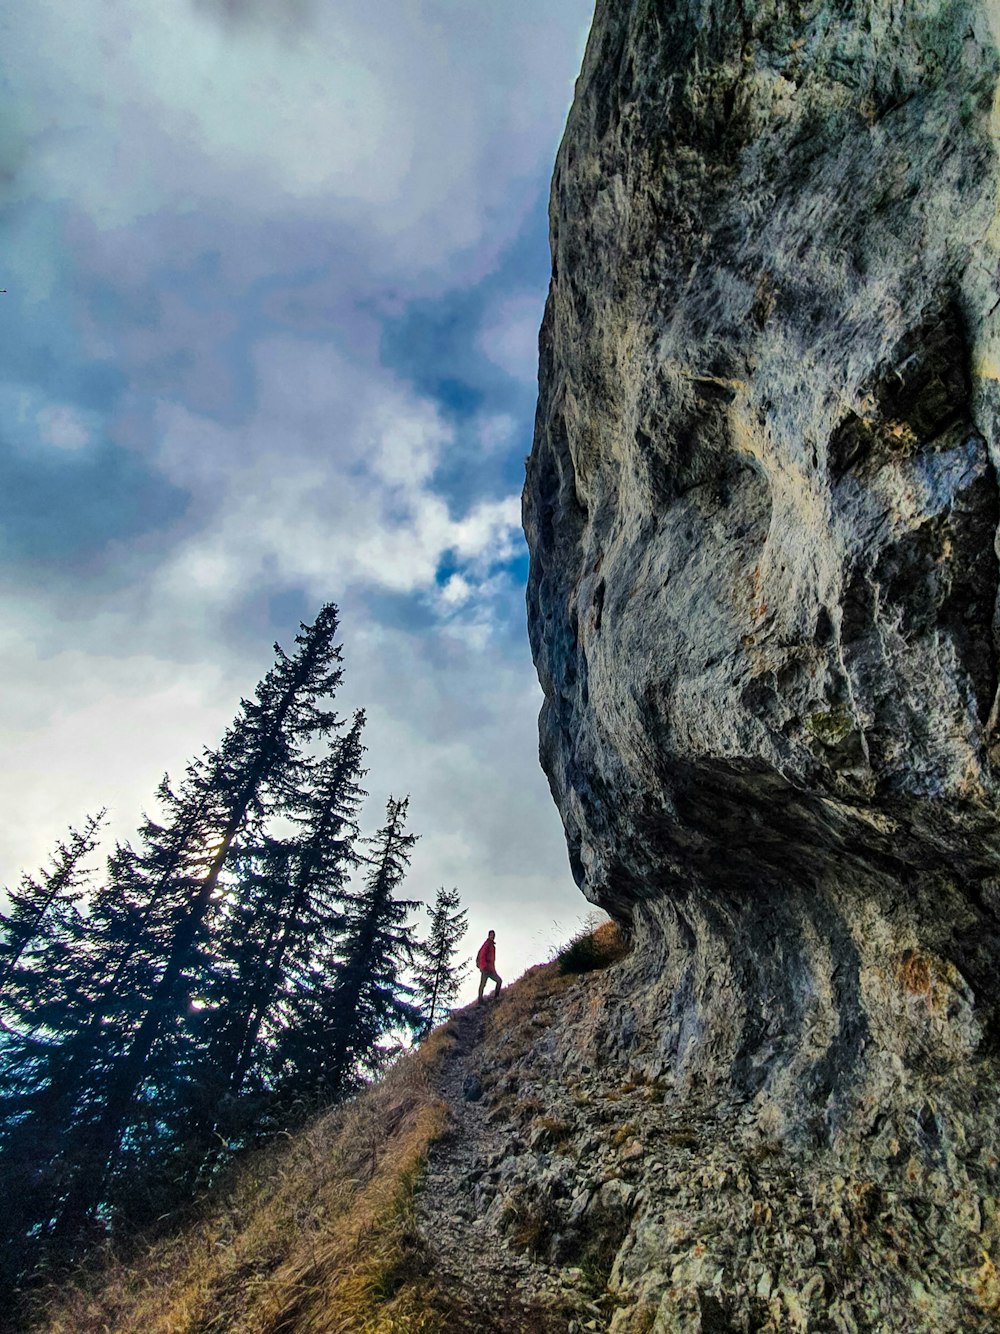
[486, 962]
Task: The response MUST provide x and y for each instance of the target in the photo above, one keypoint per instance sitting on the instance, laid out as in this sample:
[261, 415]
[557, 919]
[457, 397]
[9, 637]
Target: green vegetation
[831, 727]
[437, 977]
[227, 973]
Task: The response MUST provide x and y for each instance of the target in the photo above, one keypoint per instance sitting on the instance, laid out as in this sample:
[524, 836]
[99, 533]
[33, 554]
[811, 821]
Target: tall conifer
[255, 764]
[334, 1043]
[44, 1001]
[278, 942]
[41, 913]
[322, 856]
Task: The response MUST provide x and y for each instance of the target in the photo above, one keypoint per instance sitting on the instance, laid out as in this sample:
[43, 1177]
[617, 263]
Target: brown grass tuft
[593, 948]
[317, 1236]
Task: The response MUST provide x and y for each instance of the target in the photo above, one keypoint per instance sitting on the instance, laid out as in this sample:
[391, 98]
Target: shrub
[593, 949]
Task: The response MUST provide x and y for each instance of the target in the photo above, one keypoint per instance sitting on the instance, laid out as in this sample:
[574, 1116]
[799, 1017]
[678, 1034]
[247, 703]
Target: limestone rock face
[762, 510]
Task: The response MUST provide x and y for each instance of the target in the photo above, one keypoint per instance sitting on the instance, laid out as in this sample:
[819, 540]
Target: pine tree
[41, 912]
[277, 938]
[180, 867]
[51, 1118]
[334, 1042]
[43, 1002]
[437, 977]
[321, 858]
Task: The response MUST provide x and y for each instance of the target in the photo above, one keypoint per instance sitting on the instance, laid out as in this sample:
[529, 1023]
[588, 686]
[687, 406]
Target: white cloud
[456, 591]
[453, 725]
[32, 420]
[63, 428]
[510, 336]
[495, 432]
[414, 124]
[275, 504]
[84, 729]
[490, 532]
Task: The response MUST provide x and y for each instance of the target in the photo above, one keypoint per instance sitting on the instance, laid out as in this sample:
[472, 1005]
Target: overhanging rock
[762, 510]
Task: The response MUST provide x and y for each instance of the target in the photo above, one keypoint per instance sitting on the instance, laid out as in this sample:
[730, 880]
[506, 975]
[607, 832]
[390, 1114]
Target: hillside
[372, 1217]
[536, 1167]
[764, 597]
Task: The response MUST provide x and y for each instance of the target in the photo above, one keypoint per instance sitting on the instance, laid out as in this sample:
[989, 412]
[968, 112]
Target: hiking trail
[472, 1256]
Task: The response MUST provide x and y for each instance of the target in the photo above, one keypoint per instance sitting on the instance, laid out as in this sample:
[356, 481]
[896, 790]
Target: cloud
[417, 127]
[456, 592]
[460, 736]
[63, 427]
[330, 481]
[510, 338]
[84, 729]
[496, 431]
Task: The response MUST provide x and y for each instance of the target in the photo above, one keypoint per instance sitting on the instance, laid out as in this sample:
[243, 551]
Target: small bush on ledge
[592, 949]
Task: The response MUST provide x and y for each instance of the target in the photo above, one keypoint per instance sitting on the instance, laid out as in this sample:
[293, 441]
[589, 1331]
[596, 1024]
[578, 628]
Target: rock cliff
[654, 1205]
[762, 510]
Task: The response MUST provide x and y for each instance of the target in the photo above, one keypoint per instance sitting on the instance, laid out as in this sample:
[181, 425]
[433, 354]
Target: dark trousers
[489, 975]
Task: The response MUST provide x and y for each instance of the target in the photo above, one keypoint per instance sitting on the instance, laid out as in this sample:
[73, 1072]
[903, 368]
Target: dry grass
[317, 1236]
[593, 949]
[512, 1012]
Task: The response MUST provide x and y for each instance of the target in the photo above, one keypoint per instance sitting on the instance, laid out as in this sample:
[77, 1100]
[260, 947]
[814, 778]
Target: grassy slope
[315, 1236]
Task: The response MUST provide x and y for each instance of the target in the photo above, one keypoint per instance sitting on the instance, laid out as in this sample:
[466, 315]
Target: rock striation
[762, 510]
[611, 1200]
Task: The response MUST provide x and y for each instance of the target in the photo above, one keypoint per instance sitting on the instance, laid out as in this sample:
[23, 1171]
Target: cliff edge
[762, 510]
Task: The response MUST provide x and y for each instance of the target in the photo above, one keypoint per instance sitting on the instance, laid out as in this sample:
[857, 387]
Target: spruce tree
[321, 858]
[252, 771]
[43, 1002]
[437, 976]
[42, 912]
[334, 1043]
[276, 942]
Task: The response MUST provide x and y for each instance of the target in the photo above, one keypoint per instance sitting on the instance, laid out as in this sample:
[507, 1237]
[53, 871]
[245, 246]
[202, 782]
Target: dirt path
[472, 1256]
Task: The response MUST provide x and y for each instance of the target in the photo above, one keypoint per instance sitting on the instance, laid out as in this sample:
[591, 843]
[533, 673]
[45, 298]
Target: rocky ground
[575, 1192]
[487, 1265]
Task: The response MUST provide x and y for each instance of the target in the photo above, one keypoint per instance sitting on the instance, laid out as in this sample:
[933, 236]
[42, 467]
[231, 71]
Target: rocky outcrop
[636, 1201]
[762, 509]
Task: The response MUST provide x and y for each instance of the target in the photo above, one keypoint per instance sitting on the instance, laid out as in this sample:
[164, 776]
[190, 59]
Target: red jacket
[487, 957]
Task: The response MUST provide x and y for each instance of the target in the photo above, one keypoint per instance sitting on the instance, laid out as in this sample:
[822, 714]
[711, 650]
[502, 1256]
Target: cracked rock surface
[762, 511]
[583, 1192]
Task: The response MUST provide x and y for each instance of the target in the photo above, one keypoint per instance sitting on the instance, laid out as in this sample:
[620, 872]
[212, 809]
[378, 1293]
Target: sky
[274, 271]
